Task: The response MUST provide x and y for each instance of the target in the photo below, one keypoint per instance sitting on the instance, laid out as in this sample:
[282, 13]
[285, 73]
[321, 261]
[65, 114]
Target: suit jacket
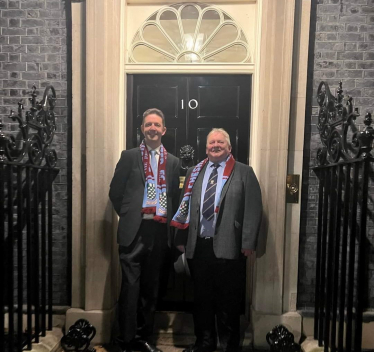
[238, 218]
[127, 190]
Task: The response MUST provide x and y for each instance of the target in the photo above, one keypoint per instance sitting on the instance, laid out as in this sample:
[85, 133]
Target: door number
[192, 104]
[195, 103]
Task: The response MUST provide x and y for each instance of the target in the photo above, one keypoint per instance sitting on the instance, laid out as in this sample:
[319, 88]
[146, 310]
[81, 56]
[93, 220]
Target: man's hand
[247, 252]
[181, 248]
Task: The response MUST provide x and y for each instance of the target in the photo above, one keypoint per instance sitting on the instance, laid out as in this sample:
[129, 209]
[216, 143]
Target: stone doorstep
[50, 342]
[175, 332]
[181, 341]
[367, 334]
[178, 323]
[58, 319]
[311, 345]
[176, 329]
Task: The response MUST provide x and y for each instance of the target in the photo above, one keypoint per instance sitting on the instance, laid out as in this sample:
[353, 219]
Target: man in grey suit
[218, 221]
[143, 189]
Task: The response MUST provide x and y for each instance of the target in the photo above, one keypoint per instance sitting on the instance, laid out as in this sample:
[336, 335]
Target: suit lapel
[168, 174]
[225, 187]
[198, 184]
[141, 166]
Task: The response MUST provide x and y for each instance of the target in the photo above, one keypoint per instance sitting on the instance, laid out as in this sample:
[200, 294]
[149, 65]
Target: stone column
[274, 80]
[296, 147]
[98, 81]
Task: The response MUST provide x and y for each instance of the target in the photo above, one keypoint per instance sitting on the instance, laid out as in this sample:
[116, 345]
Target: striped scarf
[181, 218]
[155, 199]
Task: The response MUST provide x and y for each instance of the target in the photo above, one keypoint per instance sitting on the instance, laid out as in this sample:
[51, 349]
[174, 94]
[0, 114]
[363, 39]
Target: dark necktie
[210, 193]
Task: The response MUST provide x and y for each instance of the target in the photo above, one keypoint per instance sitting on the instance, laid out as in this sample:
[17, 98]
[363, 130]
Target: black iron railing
[342, 259]
[27, 171]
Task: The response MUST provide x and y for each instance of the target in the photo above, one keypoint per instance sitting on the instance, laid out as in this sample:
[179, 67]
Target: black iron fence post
[20, 222]
[27, 171]
[2, 264]
[10, 259]
[343, 270]
[318, 259]
[335, 270]
[341, 264]
[43, 257]
[50, 239]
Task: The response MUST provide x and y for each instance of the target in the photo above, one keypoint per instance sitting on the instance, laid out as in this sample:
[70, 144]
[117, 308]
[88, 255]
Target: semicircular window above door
[189, 33]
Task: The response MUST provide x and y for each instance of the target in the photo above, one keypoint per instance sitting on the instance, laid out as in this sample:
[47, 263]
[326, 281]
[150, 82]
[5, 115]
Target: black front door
[192, 105]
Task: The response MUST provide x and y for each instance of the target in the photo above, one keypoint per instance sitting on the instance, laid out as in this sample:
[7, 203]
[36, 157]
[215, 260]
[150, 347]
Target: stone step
[180, 341]
[176, 329]
[179, 323]
[174, 332]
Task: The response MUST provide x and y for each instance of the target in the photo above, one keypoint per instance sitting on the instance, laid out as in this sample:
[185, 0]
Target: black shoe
[144, 346]
[124, 347]
[194, 348]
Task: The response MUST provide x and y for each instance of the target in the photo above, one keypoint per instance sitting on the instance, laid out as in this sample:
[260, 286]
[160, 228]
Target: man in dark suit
[218, 222]
[143, 190]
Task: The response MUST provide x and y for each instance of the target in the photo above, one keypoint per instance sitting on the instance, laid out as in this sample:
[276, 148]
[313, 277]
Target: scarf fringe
[160, 219]
[150, 210]
[179, 225]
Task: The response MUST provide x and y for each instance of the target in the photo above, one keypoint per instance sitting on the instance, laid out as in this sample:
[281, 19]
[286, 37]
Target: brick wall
[33, 52]
[343, 50]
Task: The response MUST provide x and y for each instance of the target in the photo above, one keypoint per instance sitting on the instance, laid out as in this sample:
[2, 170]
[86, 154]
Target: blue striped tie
[209, 196]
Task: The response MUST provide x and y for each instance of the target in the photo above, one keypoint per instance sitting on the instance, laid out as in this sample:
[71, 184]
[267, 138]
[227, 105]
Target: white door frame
[99, 75]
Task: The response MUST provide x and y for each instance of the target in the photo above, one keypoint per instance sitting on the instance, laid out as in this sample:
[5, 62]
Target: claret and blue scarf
[155, 199]
[182, 217]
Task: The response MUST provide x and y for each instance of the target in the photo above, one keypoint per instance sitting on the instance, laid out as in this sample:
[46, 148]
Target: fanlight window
[189, 33]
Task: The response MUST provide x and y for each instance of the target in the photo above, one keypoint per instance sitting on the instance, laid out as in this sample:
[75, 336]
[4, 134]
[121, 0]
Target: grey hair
[219, 130]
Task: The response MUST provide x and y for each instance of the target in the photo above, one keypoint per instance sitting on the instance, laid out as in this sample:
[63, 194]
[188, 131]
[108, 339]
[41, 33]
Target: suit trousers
[218, 295]
[141, 263]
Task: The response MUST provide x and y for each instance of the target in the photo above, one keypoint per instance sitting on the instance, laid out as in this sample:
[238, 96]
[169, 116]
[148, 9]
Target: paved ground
[175, 333]
[116, 349]
[162, 347]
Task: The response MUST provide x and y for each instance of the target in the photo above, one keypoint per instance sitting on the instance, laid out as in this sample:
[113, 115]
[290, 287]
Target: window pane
[209, 23]
[169, 23]
[189, 16]
[169, 34]
[154, 36]
[225, 35]
[235, 53]
[189, 58]
[142, 53]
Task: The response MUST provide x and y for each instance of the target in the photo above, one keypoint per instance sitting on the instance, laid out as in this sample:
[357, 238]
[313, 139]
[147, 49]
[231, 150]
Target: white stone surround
[99, 72]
